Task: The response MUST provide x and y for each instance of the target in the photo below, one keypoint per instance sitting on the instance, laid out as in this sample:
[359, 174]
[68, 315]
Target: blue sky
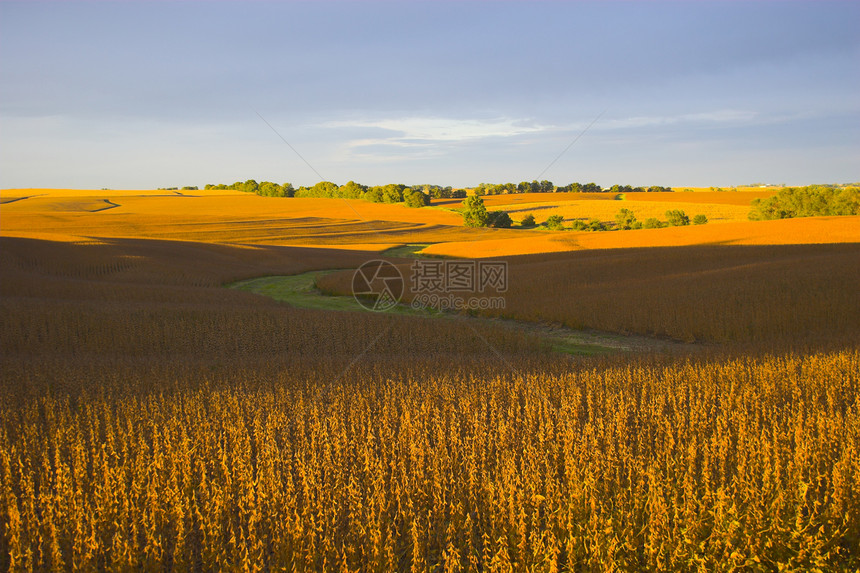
[144, 95]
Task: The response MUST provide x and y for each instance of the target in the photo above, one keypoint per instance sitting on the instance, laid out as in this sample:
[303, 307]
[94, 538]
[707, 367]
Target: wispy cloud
[416, 129]
[717, 117]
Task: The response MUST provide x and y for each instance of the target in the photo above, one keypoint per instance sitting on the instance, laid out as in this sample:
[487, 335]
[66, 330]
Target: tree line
[548, 187]
[475, 214]
[809, 201]
[417, 195]
[412, 196]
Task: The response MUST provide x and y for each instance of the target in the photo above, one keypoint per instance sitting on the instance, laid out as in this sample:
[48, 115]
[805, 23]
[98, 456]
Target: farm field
[237, 218]
[231, 217]
[153, 419]
[714, 293]
[719, 207]
[605, 210]
[809, 230]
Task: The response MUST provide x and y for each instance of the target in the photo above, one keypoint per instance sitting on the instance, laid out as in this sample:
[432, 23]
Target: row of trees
[548, 187]
[475, 214]
[810, 201]
[414, 196]
[625, 219]
[398, 193]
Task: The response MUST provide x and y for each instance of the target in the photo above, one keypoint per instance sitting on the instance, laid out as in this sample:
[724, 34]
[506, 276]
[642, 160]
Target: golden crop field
[735, 464]
[229, 217]
[239, 218]
[737, 198]
[519, 200]
[807, 230]
[643, 205]
[151, 419]
[510, 199]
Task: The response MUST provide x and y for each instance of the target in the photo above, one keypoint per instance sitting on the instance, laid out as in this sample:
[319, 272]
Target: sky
[136, 95]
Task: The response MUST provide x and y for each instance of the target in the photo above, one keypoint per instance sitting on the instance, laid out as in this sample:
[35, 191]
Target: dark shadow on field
[772, 296]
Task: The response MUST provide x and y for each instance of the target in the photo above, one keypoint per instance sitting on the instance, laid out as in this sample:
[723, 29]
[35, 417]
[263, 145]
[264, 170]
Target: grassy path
[300, 291]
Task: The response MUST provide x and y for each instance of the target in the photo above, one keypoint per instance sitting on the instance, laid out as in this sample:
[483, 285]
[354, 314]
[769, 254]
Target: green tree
[416, 199]
[269, 189]
[393, 193]
[352, 190]
[571, 188]
[475, 213]
[374, 195]
[811, 201]
[325, 189]
[438, 192]
[500, 220]
[652, 223]
[554, 222]
[528, 221]
[677, 218]
[700, 219]
[625, 219]
[596, 225]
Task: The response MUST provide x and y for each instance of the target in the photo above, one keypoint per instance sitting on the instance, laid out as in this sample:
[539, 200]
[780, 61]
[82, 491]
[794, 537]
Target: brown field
[770, 295]
[151, 419]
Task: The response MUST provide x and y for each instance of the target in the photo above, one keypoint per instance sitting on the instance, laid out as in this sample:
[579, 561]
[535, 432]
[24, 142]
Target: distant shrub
[700, 219]
[579, 225]
[811, 201]
[652, 223]
[554, 222]
[677, 218]
[596, 225]
[625, 219]
[500, 220]
[528, 221]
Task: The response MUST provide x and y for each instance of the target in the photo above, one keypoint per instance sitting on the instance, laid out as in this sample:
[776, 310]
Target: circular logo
[377, 285]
